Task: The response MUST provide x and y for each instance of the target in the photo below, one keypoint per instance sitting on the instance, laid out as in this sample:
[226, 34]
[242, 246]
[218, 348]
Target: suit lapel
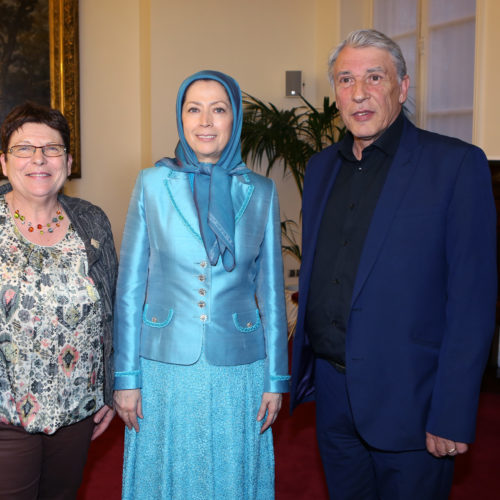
[323, 178]
[320, 180]
[398, 180]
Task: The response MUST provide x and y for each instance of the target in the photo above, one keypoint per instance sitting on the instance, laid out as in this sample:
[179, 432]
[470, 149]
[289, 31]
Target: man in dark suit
[397, 287]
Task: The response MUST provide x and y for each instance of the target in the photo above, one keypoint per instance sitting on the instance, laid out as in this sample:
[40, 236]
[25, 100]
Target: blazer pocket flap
[156, 315]
[247, 321]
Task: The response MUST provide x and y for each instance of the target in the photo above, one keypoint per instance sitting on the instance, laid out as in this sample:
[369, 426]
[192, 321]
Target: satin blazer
[171, 303]
[423, 306]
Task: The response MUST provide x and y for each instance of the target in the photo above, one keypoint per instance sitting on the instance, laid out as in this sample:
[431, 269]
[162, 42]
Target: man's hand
[441, 447]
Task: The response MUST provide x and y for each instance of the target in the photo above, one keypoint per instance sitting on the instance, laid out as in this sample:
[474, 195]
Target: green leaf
[288, 137]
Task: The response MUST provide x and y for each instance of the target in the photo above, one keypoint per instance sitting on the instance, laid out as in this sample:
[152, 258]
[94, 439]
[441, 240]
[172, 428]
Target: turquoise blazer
[171, 303]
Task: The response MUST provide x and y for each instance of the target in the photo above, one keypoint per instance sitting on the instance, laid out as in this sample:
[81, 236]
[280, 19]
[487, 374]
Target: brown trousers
[39, 466]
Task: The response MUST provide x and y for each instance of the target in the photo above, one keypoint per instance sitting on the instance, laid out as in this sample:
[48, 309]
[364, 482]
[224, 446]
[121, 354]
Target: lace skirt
[199, 438]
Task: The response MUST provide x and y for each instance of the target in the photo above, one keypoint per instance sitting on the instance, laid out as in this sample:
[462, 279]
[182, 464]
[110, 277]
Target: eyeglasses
[27, 150]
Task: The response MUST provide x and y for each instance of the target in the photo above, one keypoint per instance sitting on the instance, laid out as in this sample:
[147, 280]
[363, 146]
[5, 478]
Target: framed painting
[39, 60]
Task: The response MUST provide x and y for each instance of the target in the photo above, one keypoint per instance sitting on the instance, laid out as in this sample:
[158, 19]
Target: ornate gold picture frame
[65, 70]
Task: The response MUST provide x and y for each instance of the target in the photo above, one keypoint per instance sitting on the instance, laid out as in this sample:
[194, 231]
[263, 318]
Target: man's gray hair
[370, 38]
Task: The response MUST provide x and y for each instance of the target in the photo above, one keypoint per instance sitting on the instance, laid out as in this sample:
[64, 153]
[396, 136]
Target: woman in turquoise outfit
[200, 333]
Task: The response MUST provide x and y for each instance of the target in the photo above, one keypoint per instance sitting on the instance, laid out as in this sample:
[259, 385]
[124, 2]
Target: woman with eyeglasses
[58, 270]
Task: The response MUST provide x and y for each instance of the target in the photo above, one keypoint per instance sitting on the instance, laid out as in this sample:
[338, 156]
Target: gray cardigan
[93, 227]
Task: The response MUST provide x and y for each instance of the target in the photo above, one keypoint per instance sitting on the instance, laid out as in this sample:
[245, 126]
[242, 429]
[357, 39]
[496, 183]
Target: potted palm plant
[288, 138]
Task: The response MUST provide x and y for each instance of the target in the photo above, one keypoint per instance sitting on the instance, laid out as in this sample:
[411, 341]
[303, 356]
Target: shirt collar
[388, 142]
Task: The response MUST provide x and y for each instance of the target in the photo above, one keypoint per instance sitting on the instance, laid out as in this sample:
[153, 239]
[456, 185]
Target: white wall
[255, 42]
[110, 106]
[328, 35]
[355, 15]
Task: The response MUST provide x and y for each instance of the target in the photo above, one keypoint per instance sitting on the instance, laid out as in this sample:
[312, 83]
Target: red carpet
[477, 473]
[298, 469]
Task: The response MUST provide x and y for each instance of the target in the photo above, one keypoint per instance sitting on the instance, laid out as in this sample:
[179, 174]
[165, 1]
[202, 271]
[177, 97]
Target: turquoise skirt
[199, 438]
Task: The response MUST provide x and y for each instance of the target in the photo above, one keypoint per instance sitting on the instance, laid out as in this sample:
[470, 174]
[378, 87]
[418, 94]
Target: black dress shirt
[342, 233]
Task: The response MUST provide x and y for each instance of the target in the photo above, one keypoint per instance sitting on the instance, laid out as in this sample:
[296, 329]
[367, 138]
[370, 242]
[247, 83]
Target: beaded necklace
[56, 221]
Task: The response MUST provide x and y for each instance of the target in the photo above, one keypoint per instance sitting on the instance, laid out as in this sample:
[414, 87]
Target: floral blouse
[51, 353]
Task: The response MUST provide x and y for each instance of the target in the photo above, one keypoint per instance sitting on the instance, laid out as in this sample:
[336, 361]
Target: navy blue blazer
[423, 306]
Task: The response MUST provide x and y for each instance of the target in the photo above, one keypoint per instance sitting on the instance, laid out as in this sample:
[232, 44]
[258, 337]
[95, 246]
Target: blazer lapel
[398, 179]
[241, 192]
[316, 196]
[181, 196]
[323, 177]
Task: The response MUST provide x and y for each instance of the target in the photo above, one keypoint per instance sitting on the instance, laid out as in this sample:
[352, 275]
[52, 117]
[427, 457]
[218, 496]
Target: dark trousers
[39, 466]
[356, 471]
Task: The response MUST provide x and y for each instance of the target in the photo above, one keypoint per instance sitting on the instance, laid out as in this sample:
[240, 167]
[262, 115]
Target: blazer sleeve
[131, 292]
[471, 301]
[271, 301]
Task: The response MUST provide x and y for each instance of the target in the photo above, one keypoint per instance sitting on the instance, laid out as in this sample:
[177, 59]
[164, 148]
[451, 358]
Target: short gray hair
[370, 38]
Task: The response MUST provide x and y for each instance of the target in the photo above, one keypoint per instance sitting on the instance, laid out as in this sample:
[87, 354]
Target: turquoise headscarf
[212, 182]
